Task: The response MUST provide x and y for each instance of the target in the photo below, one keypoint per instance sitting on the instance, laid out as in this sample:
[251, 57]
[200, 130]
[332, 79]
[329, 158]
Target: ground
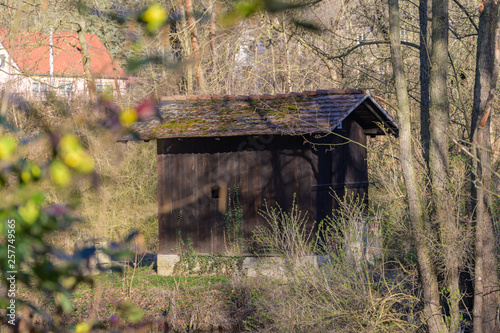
[181, 303]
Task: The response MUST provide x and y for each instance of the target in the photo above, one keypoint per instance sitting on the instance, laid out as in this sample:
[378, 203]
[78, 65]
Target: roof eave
[388, 121]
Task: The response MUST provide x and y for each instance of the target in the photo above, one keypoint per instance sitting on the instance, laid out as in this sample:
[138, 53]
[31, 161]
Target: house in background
[34, 63]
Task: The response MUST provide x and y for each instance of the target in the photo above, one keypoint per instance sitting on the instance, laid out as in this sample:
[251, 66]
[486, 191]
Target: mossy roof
[286, 114]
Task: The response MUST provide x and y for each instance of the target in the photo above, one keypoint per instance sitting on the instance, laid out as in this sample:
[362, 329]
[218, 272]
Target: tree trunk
[86, 60]
[432, 309]
[213, 30]
[200, 79]
[425, 69]
[287, 57]
[438, 158]
[117, 84]
[185, 49]
[107, 45]
[439, 107]
[486, 284]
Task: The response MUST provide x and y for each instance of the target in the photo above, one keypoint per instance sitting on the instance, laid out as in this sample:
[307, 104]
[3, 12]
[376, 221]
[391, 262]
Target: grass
[172, 298]
[144, 279]
[336, 297]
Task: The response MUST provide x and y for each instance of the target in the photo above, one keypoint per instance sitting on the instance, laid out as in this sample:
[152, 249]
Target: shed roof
[308, 112]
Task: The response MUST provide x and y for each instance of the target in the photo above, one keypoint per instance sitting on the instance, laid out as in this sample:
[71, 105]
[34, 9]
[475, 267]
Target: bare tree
[438, 156]
[432, 308]
[424, 77]
[200, 79]
[86, 58]
[486, 284]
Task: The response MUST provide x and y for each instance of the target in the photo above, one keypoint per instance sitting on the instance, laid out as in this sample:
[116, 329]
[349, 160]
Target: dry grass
[181, 304]
[126, 196]
[335, 299]
[123, 193]
[346, 293]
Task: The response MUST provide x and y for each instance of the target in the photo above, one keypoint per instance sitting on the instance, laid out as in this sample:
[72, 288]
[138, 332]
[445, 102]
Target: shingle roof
[32, 53]
[295, 113]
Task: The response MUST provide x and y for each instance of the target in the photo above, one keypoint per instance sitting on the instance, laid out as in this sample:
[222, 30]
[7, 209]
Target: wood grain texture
[266, 168]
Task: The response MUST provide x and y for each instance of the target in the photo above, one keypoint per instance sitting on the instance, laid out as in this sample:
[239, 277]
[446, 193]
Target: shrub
[342, 293]
[286, 233]
[233, 223]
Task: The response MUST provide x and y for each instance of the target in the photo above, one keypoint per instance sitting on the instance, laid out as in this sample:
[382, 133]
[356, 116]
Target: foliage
[387, 197]
[338, 292]
[192, 263]
[28, 218]
[196, 264]
[233, 223]
[287, 233]
[48, 169]
[334, 298]
[345, 232]
[179, 302]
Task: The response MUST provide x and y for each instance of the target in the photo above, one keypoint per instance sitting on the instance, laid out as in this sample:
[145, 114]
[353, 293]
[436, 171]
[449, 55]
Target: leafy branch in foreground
[29, 219]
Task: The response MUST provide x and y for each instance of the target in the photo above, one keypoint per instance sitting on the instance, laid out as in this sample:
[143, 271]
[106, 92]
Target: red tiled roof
[293, 114]
[32, 54]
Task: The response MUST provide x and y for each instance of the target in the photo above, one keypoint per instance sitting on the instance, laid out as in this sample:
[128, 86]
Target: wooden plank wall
[268, 167]
[356, 168]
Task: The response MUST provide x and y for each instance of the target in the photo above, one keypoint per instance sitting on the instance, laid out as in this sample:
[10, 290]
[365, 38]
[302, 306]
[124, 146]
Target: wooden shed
[306, 143]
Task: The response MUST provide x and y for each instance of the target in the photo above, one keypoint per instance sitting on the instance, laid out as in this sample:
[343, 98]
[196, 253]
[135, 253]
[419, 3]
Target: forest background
[437, 193]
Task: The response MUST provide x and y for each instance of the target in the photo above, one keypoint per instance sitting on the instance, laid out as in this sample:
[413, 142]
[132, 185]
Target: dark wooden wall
[265, 167]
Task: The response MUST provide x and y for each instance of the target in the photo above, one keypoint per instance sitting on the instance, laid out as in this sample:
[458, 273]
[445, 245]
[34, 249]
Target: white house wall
[21, 84]
[79, 85]
[10, 74]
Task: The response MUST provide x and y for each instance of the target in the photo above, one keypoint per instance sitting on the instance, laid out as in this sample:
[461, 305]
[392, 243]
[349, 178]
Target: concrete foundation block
[166, 263]
[267, 266]
[273, 266]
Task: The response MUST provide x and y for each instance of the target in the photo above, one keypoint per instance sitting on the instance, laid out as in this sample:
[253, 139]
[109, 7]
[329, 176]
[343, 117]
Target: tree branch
[349, 51]
[466, 13]
[327, 56]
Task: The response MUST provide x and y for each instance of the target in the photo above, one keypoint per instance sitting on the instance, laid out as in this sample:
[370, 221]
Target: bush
[342, 293]
[233, 223]
[286, 233]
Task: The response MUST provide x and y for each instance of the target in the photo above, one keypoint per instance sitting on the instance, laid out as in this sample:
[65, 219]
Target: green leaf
[29, 212]
[63, 301]
[134, 64]
[248, 8]
[132, 312]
